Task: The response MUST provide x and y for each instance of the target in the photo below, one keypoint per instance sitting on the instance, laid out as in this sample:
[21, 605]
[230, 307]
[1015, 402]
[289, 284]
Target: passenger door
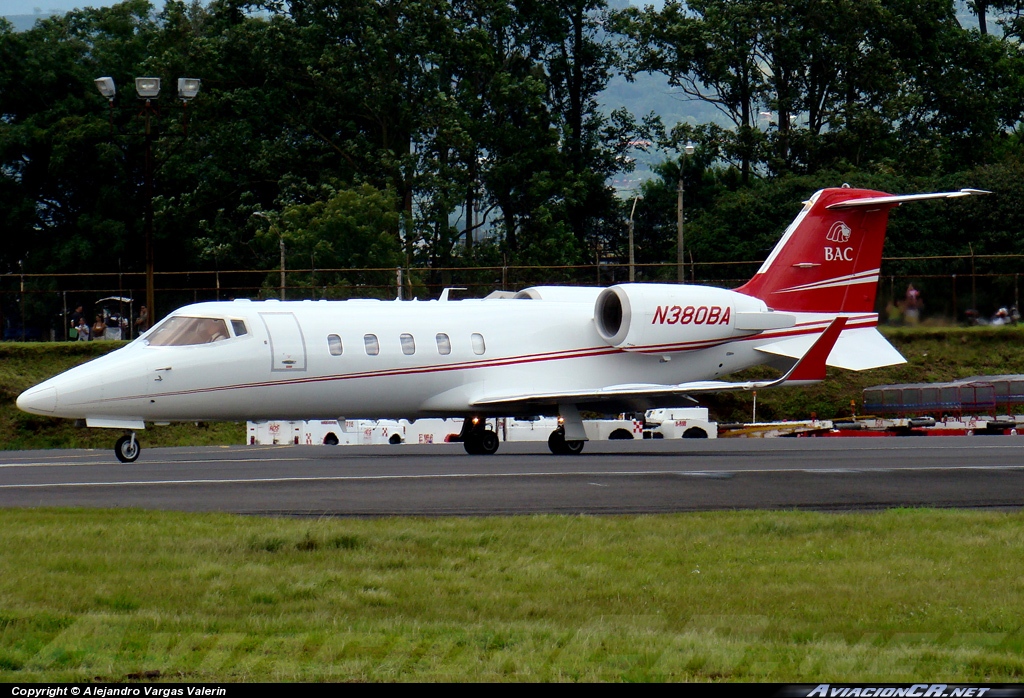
[287, 345]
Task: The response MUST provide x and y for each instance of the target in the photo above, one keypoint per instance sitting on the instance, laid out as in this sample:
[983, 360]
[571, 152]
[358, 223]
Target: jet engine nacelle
[666, 318]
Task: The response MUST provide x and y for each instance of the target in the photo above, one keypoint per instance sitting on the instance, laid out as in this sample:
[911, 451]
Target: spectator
[83, 330]
[76, 319]
[142, 321]
[912, 306]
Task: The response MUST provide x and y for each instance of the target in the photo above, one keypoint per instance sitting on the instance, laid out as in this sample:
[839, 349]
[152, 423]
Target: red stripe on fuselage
[804, 328]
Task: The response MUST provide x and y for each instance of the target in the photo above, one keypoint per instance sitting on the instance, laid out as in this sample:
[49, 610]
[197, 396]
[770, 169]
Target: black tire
[695, 433]
[620, 435]
[395, 440]
[574, 448]
[472, 445]
[482, 443]
[560, 447]
[127, 450]
[331, 439]
[488, 442]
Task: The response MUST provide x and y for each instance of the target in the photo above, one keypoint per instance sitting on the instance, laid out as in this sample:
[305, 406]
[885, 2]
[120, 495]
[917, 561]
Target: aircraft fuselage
[380, 359]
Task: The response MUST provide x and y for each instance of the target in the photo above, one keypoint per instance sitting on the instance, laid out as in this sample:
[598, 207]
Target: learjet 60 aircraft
[543, 350]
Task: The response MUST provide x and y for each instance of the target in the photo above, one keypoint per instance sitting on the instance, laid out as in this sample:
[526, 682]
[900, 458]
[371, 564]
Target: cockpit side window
[180, 330]
[239, 327]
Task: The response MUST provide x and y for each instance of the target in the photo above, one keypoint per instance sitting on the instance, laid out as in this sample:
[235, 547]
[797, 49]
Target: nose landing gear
[127, 448]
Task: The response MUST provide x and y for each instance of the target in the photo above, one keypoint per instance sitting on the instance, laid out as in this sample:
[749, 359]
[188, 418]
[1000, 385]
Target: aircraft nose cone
[38, 400]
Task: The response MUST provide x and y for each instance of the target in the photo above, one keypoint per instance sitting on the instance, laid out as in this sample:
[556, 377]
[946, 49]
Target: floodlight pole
[680, 240]
[148, 90]
[632, 266]
[147, 111]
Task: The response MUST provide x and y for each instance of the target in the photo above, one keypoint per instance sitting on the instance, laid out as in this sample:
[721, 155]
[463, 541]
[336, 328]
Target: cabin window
[478, 344]
[408, 344]
[444, 345]
[371, 344]
[179, 331]
[334, 344]
[239, 327]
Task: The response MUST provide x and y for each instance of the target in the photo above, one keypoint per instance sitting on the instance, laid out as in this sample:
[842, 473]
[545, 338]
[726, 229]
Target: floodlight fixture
[106, 87]
[147, 88]
[689, 149]
[188, 88]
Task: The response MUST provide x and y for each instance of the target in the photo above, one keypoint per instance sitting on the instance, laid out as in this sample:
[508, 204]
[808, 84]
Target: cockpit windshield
[180, 330]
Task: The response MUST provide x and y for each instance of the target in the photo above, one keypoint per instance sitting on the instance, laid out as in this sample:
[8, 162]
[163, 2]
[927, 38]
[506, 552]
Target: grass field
[898, 596]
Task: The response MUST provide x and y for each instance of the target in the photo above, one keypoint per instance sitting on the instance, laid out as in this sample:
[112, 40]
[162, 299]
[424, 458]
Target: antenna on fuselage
[445, 292]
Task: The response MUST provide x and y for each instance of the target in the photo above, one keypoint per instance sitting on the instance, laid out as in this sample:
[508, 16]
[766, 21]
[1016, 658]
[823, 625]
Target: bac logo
[839, 232]
[701, 315]
[838, 254]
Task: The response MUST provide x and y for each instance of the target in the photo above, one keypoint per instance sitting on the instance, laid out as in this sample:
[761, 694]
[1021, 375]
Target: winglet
[811, 366]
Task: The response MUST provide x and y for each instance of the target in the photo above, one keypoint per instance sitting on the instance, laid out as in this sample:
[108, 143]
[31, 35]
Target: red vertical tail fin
[828, 259]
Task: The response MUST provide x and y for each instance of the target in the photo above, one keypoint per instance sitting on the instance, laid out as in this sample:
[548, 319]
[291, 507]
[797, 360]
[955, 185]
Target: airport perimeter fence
[37, 307]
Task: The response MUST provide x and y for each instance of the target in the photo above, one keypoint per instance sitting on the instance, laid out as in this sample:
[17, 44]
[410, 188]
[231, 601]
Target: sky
[27, 7]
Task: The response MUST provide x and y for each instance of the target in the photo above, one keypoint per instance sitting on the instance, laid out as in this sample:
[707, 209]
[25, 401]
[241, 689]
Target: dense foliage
[453, 133]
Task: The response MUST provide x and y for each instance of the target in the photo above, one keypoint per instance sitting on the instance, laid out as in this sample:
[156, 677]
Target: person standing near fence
[142, 321]
[912, 306]
[82, 328]
[76, 320]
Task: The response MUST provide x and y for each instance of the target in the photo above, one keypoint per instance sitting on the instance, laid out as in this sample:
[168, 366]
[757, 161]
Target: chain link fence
[38, 307]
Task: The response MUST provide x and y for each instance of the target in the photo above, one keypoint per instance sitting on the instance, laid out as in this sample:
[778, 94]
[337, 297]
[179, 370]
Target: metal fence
[38, 306]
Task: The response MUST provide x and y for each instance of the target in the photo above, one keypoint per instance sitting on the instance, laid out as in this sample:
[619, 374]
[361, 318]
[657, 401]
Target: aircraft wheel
[560, 447]
[472, 445]
[483, 443]
[574, 448]
[488, 442]
[127, 449]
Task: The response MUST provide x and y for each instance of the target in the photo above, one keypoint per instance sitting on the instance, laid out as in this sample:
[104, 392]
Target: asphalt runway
[523, 478]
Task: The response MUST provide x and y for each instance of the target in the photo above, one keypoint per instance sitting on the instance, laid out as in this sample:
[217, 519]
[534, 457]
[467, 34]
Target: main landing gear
[127, 448]
[477, 439]
[560, 447]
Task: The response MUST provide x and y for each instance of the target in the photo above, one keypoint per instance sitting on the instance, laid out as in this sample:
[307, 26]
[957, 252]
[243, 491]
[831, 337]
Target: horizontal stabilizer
[903, 198]
[810, 367]
[855, 350]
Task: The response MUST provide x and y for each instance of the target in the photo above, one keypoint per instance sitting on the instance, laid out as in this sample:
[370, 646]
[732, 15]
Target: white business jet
[543, 350]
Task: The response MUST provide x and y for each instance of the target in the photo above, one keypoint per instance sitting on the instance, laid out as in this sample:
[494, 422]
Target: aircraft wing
[810, 368]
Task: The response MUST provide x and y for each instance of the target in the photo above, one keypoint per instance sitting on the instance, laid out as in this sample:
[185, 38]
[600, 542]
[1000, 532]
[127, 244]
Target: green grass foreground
[897, 596]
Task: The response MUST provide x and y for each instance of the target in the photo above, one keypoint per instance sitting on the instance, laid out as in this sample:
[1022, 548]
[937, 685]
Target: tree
[344, 227]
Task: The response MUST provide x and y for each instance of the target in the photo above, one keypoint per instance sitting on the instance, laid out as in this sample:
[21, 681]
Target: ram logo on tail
[839, 232]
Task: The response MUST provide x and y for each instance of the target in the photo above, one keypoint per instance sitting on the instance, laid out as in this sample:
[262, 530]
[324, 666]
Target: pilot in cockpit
[213, 330]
